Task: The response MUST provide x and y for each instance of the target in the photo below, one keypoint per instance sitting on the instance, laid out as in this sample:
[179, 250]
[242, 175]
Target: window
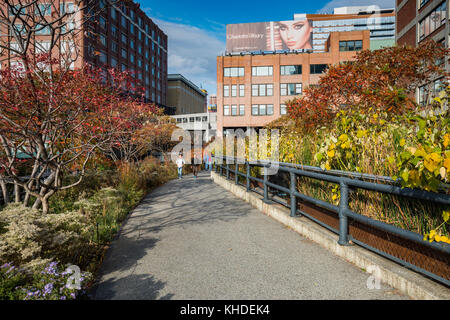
[43, 46]
[123, 22]
[290, 89]
[241, 90]
[132, 44]
[114, 31]
[102, 22]
[44, 9]
[233, 72]
[43, 30]
[114, 47]
[318, 68]
[288, 70]
[226, 110]
[131, 28]
[113, 13]
[262, 90]
[255, 108]
[102, 57]
[226, 91]
[355, 45]
[283, 109]
[131, 58]
[423, 95]
[102, 39]
[124, 38]
[68, 7]
[433, 21]
[233, 90]
[14, 10]
[241, 110]
[262, 71]
[113, 62]
[262, 109]
[234, 110]
[124, 53]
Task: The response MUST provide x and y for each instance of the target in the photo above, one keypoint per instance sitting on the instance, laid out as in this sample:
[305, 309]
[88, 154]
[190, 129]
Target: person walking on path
[195, 164]
[209, 162]
[205, 159]
[180, 163]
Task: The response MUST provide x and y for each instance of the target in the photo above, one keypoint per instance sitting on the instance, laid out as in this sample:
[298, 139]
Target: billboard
[269, 36]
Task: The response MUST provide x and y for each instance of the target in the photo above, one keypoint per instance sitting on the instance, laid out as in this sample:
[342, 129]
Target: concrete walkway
[191, 239]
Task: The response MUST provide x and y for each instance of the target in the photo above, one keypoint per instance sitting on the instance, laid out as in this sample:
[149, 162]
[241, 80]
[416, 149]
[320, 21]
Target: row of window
[354, 45]
[284, 70]
[434, 20]
[263, 90]
[44, 9]
[257, 110]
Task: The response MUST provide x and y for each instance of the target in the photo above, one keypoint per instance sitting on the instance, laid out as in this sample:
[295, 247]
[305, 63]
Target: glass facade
[380, 28]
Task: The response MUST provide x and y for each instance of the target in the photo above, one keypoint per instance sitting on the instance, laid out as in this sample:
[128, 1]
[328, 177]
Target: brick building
[252, 88]
[420, 20]
[106, 33]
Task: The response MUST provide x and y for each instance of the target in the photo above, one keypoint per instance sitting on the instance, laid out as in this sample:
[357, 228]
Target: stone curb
[407, 281]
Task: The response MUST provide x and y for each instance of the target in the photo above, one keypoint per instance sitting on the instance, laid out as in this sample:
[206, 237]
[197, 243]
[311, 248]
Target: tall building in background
[184, 97]
[118, 34]
[380, 23]
[418, 21]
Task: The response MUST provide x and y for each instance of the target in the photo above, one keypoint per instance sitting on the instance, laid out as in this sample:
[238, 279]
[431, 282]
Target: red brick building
[420, 20]
[119, 34]
[252, 88]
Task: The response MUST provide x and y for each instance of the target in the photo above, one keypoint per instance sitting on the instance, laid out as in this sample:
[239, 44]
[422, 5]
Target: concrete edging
[407, 281]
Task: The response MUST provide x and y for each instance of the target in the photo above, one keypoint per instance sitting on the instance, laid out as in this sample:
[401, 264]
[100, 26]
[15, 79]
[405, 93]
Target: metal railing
[343, 212]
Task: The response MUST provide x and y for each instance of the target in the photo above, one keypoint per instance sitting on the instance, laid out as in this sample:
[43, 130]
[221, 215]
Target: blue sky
[196, 29]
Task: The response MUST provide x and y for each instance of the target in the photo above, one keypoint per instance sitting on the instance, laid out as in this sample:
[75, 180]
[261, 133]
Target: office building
[252, 88]
[268, 63]
[184, 96]
[418, 21]
[107, 34]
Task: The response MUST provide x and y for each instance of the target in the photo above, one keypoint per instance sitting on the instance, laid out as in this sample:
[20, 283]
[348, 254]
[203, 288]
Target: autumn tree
[380, 80]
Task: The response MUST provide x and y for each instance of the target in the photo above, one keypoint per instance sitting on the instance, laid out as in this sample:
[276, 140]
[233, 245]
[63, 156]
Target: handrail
[342, 210]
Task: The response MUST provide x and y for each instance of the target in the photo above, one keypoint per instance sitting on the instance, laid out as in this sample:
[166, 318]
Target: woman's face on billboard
[296, 34]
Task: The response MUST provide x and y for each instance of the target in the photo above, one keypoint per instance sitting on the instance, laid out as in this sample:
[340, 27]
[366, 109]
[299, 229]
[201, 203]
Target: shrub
[31, 239]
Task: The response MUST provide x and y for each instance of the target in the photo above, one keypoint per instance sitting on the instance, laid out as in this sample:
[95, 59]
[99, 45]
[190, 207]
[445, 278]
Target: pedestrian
[209, 162]
[180, 163]
[195, 164]
[205, 159]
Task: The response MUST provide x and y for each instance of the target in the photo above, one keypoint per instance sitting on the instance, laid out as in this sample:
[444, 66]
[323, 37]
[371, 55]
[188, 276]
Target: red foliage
[383, 80]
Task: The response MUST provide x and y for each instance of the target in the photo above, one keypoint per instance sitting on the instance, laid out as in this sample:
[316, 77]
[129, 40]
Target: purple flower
[73, 295]
[63, 298]
[6, 265]
[48, 288]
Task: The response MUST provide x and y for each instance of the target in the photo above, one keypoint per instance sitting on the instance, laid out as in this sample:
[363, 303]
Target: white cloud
[328, 8]
[192, 52]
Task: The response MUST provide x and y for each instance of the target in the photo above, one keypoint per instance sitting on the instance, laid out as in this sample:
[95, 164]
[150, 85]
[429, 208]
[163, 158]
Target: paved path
[191, 239]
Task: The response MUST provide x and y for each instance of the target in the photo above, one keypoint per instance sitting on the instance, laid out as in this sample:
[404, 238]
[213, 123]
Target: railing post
[248, 175]
[236, 170]
[293, 197]
[221, 169]
[343, 221]
[266, 188]
[228, 170]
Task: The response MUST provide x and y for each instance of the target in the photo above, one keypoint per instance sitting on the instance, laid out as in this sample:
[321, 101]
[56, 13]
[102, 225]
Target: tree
[58, 122]
[380, 80]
